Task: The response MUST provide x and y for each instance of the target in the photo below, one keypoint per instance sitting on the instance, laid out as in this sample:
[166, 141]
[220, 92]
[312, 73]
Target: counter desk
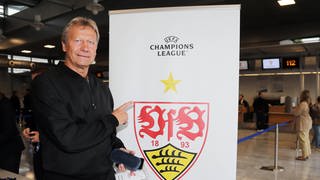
[278, 115]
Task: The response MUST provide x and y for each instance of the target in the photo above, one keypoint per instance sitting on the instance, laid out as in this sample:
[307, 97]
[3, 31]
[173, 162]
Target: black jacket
[77, 129]
[10, 139]
[260, 105]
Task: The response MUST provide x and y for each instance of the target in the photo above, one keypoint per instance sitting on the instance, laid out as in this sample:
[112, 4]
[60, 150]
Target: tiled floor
[259, 151]
[252, 155]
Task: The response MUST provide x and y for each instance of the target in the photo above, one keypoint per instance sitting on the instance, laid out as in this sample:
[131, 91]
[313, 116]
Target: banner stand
[275, 167]
[171, 70]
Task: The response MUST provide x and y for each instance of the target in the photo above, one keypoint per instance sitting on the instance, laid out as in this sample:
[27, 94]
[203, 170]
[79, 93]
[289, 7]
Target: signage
[170, 62]
[290, 62]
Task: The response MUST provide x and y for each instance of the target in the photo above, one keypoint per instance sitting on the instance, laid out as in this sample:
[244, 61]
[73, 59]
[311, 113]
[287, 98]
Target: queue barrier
[275, 166]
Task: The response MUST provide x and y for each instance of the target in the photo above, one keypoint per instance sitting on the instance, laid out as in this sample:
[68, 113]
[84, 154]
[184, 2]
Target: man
[261, 108]
[74, 111]
[30, 132]
[244, 106]
[11, 145]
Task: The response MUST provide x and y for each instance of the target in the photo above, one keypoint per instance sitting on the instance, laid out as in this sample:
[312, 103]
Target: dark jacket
[77, 129]
[10, 139]
[16, 103]
[260, 105]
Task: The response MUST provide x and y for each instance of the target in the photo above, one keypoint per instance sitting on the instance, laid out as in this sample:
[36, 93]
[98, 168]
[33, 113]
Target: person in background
[315, 116]
[244, 103]
[261, 109]
[244, 107]
[11, 145]
[30, 132]
[74, 111]
[16, 104]
[303, 124]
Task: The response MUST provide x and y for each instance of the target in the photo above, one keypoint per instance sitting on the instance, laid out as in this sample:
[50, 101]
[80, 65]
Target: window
[12, 9]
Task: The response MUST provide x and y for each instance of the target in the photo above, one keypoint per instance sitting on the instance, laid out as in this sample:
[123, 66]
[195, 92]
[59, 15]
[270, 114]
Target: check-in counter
[278, 115]
[240, 114]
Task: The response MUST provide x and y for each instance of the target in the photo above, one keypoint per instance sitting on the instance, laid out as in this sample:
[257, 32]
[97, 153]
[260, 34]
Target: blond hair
[79, 21]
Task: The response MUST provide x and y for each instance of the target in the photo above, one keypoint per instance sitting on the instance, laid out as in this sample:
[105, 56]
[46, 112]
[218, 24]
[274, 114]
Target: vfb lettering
[188, 120]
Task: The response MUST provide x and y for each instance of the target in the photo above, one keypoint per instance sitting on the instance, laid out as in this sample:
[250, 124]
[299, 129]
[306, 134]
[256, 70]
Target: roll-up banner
[180, 66]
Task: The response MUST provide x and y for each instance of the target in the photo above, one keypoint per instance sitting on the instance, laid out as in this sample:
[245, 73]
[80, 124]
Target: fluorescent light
[311, 40]
[39, 60]
[18, 70]
[286, 2]
[26, 51]
[280, 73]
[49, 46]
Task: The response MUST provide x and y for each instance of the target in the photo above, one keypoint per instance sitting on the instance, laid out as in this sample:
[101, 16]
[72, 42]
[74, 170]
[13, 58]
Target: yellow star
[170, 83]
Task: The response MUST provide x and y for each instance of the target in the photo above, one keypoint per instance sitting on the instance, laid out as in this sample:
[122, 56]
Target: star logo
[170, 83]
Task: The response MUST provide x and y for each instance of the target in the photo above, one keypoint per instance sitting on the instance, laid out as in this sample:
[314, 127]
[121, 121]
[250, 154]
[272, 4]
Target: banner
[180, 66]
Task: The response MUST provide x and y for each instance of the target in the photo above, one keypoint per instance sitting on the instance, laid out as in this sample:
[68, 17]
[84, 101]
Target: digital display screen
[271, 63]
[290, 62]
[243, 65]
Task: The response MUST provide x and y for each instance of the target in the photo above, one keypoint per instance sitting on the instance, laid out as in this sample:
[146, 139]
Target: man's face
[80, 46]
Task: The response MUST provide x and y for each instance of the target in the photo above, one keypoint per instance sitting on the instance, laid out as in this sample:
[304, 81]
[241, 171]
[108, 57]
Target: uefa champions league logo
[171, 47]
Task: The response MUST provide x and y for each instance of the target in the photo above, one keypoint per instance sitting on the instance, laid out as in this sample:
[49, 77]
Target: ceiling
[263, 25]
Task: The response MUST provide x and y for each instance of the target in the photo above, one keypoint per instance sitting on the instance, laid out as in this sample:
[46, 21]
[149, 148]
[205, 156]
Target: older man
[74, 111]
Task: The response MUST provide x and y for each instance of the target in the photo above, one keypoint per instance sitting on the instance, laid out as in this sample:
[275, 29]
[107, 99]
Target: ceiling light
[94, 7]
[307, 40]
[17, 41]
[49, 46]
[286, 2]
[311, 40]
[286, 42]
[26, 51]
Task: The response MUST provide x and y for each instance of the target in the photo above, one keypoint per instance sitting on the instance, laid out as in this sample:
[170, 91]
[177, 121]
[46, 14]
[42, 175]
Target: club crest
[171, 135]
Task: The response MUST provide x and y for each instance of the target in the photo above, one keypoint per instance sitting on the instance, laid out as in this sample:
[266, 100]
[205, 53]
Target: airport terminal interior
[279, 55]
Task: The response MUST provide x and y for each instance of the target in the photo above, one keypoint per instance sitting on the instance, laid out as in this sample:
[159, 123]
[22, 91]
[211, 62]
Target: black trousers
[37, 166]
[262, 120]
[47, 175]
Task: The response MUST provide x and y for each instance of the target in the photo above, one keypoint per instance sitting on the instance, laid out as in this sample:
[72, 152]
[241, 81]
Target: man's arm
[54, 119]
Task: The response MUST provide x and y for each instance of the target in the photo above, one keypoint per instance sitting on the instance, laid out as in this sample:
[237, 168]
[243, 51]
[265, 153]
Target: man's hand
[121, 166]
[121, 114]
[26, 133]
[33, 136]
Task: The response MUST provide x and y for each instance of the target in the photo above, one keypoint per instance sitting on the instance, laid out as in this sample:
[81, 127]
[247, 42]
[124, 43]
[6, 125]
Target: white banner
[180, 66]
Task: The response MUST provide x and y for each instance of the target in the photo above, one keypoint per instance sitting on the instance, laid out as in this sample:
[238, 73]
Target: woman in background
[315, 115]
[303, 124]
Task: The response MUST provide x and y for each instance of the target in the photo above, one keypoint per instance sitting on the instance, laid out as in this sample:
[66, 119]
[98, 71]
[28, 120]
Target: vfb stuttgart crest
[171, 135]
